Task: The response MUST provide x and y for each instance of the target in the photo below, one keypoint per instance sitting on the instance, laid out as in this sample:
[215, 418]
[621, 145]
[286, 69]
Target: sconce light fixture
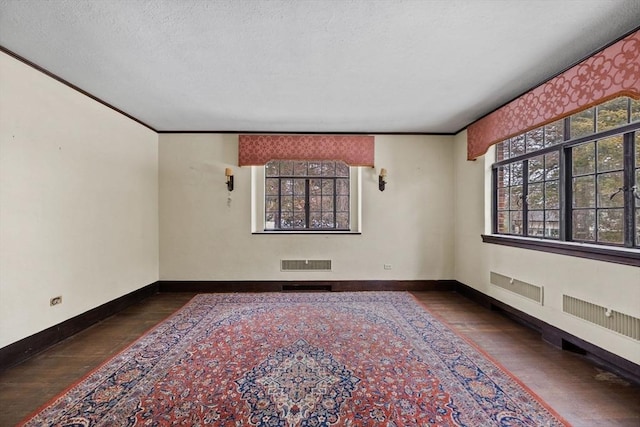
[228, 172]
[382, 179]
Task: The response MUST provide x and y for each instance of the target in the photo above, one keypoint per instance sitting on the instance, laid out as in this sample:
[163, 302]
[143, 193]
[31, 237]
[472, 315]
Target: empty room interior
[483, 156]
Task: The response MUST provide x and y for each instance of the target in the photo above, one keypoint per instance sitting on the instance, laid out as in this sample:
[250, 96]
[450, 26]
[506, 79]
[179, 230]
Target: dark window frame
[627, 253]
[307, 195]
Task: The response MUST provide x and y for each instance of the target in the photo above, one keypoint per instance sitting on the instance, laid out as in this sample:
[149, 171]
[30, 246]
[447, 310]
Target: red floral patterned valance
[612, 72]
[354, 150]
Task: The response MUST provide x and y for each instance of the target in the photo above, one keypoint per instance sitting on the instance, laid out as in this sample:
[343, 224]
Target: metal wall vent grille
[305, 265]
[618, 322]
[527, 290]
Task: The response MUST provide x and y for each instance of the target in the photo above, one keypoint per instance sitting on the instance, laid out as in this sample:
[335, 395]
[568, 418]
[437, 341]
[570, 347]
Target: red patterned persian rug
[299, 359]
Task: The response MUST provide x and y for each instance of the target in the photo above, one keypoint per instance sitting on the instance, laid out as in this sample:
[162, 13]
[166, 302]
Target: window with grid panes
[576, 179]
[307, 195]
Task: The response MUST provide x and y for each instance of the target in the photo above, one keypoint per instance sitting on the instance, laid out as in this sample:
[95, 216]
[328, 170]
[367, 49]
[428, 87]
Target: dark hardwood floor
[578, 391]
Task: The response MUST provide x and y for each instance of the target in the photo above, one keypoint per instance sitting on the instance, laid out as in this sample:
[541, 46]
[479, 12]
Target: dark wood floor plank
[28, 386]
[583, 394]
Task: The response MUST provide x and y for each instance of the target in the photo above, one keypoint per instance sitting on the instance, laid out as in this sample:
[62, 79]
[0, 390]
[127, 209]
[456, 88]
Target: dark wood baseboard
[556, 336]
[21, 350]
[207, 286]
[305, 285]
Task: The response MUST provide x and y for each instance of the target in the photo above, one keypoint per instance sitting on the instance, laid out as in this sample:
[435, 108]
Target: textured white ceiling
[368, 66]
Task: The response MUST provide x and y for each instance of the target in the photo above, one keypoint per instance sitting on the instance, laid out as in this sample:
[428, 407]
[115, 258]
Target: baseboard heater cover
[305, 265]
[621, 323]
[524, 289]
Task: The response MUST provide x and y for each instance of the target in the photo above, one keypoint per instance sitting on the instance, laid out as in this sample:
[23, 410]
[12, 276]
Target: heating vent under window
[527, 290]
[305, 265]
[602, 316]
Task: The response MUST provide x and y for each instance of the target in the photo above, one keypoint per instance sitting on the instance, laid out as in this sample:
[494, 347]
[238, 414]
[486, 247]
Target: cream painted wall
[611, 285]
[78, 202]
[94, 205]
[409, 225]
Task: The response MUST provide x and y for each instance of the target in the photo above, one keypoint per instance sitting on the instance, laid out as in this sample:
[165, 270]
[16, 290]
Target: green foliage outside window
[306, 195]
[600, 205]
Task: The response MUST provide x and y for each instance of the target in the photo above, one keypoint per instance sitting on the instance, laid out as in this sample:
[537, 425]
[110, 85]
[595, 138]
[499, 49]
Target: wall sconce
[228, 172]
[382, 179]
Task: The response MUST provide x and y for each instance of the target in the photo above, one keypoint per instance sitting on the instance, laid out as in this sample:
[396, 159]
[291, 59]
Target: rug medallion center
[297, 385]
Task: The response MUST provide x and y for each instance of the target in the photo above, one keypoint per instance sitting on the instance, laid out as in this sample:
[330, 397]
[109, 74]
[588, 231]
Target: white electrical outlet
[55, 300]
[387, 266]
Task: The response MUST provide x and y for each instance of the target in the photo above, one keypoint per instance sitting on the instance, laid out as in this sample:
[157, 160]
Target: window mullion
[567, 129]
[279, 203]
[565, 184]
[596, 186]
[494, 195]
[628, 182]
[525, 198]
[307, 208]
[335, 203]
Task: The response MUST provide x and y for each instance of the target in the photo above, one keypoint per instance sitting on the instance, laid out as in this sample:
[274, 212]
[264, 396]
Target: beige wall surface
[94, 205]
[205, 237]
[78, 202]
[611, 285]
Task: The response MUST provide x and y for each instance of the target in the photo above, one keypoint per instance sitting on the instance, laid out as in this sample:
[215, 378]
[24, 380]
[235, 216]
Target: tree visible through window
[576, 179]
[598, 191]
[307, 195]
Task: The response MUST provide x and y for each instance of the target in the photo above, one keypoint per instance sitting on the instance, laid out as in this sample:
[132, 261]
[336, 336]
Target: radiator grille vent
[305, 265]
[527, 290]
[618, 322]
